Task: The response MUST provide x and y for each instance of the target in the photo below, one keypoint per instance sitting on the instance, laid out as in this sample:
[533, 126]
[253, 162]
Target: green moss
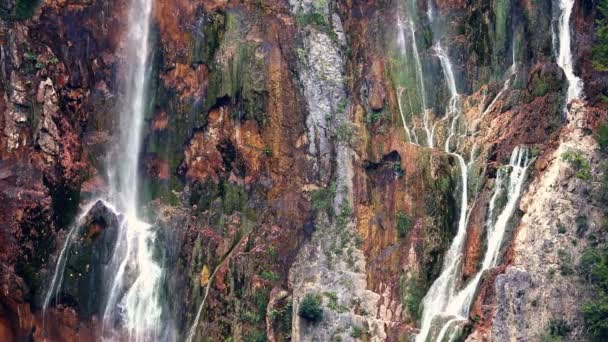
[403, 224]
[207, 38]
[412, 292]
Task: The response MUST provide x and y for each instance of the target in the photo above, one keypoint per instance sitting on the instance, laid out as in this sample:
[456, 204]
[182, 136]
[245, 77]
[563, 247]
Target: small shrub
[323, 199]
[565, 265]
[310, 308]
[345, 133]
[270, 276]
[345, 212]
[559, 327]
[581, 225]
[579, 163]
[589, 259]
[356, 332]
[403, 224]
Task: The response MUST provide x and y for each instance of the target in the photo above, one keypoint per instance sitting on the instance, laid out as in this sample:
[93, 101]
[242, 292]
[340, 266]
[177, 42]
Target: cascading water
[443, 288]
[410, 26]
[133, 302]
[564, 50]
[134, 292]
[456, 307]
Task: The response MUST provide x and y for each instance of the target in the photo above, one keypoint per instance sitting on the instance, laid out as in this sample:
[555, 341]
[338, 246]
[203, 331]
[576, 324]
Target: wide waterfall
[564, 50]
[132, 287]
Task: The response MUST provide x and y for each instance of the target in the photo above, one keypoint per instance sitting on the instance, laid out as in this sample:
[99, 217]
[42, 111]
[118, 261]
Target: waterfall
[133, 302]
[443, 288]
[134, 291]
[457, 305]
[419, 75]
[564, 50]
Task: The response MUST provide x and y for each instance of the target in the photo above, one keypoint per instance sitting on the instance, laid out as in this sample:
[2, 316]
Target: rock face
[299, 148]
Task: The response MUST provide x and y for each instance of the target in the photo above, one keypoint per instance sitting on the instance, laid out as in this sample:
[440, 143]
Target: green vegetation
[412, 291]
[593, 267]
[270, 276]
[403, 224]
[345, 212]
[602, 137]
[356, 332]
[579, 163]
[25, 9]
[565, 262]
[557, 331]
[600, 49]
[345, 133]
[323, 199]
[310, 308]
[282, 318]
[333, 302]
[255, 336]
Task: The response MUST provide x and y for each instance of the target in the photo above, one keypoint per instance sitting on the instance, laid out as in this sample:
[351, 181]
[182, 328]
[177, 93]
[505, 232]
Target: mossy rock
[546, 78]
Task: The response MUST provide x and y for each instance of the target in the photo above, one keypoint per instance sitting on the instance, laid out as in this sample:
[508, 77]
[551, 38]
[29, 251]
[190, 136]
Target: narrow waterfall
[443, 289]
[564, 50]
[133, 302]
[509, 183]
[134, 293]
[410, 25]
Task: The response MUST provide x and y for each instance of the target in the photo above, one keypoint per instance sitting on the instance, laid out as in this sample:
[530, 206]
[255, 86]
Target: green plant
[356, 332]
[372, 117]
[322, 199]
[255, 336]
[270, 276]
[581, 225]
[600, 48]
[310, 308]
[345, 212]
[403, 224]
[267, 151]
[559, 327]
[579, 163]
[594, 268]
[602, 137]
[345, 133]
[565, 265]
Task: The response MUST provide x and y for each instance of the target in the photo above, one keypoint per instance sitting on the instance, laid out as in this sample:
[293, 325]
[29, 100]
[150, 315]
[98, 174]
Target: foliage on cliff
[600, 50]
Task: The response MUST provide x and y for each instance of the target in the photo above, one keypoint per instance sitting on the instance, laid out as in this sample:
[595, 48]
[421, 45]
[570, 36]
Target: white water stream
[564, 50]
[133, 303]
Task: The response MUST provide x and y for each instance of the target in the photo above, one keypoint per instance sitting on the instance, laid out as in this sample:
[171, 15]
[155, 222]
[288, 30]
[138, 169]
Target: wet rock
[89, 251]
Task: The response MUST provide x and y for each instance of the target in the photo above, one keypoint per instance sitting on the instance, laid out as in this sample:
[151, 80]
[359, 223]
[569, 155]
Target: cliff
[312, 169]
